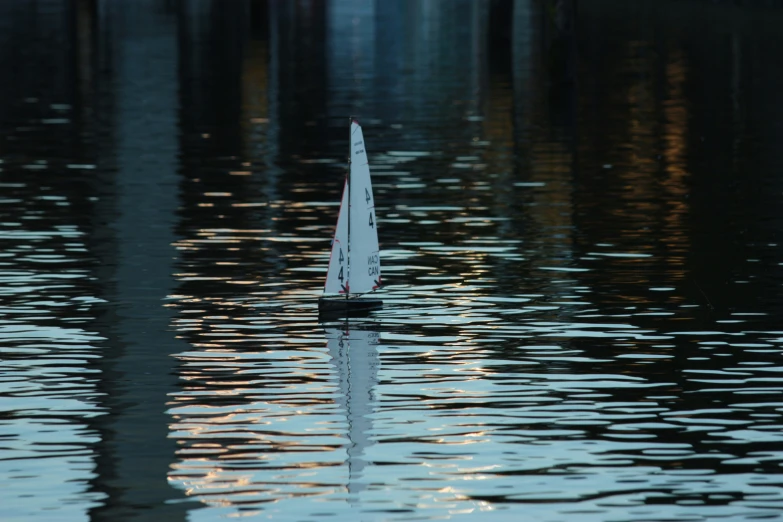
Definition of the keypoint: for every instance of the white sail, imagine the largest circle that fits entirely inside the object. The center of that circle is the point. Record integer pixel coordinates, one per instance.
(364, 263)
(337, 274)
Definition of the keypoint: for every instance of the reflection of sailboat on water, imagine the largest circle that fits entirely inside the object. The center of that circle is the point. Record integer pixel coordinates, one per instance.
(355, 355)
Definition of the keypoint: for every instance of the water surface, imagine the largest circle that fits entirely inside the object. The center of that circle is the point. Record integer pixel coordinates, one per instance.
(580, 241)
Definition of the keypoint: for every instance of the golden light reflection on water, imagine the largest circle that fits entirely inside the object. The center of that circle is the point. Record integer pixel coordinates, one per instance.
(540, 217)
(675, 134)
(493, 329)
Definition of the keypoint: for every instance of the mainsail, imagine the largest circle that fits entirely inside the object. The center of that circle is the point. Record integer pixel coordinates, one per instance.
(355, 266)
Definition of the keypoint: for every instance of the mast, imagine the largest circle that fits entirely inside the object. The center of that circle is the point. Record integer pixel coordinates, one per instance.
(348, 263)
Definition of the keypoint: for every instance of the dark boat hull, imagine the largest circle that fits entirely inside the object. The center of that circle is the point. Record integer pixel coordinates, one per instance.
(336, 307)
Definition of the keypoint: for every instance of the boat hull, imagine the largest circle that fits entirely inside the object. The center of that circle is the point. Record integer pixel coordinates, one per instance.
(338, 306)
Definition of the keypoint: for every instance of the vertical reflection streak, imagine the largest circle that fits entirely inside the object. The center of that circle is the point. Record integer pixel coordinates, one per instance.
(141, 213)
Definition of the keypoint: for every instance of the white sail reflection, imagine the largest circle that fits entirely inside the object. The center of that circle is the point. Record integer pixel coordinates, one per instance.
(354, 353)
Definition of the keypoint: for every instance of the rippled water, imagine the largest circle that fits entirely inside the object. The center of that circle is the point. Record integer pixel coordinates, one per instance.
(580, 239)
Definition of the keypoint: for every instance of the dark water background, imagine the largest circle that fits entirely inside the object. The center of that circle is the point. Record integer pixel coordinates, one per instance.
(580, 208)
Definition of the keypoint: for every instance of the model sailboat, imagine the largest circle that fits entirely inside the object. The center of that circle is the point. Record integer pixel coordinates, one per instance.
(355, 265)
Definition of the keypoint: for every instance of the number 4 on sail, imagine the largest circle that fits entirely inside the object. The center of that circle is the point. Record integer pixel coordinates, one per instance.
(355, 265)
